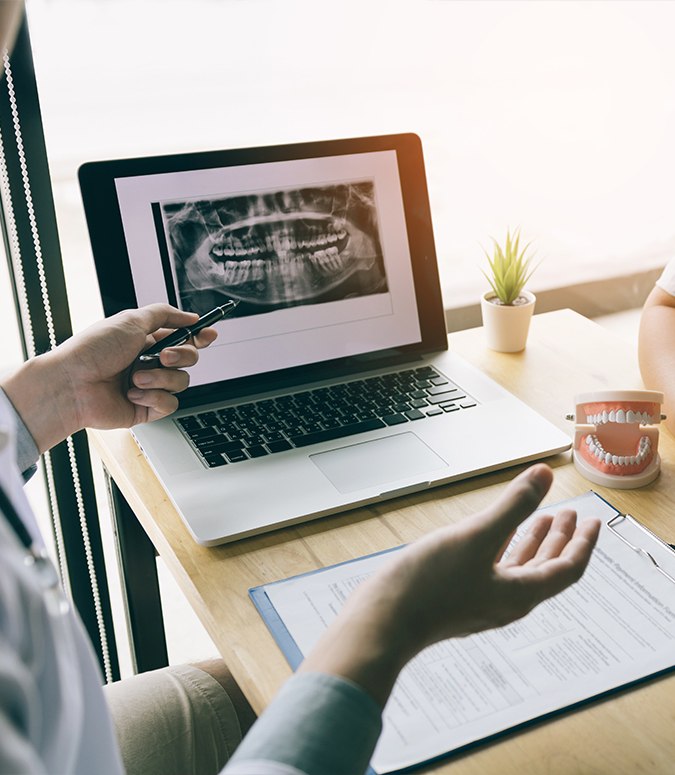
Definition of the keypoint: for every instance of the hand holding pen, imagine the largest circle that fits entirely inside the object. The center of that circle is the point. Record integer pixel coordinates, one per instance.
(181, 335)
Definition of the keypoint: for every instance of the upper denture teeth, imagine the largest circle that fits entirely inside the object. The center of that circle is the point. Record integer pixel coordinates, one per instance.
(620, 416)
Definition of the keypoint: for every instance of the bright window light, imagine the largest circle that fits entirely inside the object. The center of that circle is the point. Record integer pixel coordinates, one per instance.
(555, 117)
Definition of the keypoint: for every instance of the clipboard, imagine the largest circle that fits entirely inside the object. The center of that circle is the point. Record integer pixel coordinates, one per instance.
(618, 523)
(275, 624)
(651, 560)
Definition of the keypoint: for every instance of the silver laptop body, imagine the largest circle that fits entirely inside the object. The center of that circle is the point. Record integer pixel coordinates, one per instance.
(328, 247)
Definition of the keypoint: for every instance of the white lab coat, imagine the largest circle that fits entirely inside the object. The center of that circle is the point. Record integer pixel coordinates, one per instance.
(53, 715)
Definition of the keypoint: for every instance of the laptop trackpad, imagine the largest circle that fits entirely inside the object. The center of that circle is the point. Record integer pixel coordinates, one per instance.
(370, 463)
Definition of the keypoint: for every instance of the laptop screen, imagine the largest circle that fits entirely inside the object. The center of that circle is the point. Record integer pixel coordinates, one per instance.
(316, 250)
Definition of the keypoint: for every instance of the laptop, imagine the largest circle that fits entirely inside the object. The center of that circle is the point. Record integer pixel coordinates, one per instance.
(332, 385)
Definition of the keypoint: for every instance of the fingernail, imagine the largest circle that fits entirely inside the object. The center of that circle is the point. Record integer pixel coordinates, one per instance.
(169, 357)
(141, 378)
(535, 474)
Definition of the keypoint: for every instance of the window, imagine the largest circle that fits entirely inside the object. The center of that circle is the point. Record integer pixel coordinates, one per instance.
(557, 117)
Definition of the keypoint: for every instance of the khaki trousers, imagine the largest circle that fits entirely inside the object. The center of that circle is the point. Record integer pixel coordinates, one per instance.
(174, 721)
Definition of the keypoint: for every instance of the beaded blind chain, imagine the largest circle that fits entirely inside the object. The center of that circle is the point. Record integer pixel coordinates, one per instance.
(17, 264)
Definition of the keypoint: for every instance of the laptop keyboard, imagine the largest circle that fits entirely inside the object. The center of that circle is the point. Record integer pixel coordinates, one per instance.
(257, 428)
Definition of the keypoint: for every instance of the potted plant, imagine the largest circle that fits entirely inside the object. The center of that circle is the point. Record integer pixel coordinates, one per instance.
(507, 308)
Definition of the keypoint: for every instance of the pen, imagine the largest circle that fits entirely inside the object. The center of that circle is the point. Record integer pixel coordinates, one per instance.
(181, 335)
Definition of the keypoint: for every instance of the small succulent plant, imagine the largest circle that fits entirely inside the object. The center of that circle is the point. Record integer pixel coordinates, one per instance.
(510, 268)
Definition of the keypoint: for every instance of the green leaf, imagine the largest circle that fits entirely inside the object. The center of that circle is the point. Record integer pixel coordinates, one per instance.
(510, 267)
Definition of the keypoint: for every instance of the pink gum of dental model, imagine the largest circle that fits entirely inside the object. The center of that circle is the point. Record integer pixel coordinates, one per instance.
(614, 443)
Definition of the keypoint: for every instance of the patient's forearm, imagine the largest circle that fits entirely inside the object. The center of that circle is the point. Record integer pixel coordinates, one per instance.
(657, 354)
(364, 646)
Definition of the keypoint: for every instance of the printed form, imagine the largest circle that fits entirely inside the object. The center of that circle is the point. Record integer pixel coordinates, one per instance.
(615, 626)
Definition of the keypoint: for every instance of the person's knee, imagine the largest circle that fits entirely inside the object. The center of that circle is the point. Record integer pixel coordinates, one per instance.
(179, 719)
(219, 671)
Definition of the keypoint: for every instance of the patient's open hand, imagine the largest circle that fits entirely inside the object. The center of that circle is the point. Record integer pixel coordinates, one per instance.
(456, 581)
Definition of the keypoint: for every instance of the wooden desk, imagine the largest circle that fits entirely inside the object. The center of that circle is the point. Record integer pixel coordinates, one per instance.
(566, 354)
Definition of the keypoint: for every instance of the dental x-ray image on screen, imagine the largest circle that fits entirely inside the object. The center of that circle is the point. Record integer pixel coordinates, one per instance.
(274, 250)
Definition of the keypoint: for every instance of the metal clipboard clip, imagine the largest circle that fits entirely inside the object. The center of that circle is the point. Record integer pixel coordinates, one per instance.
(612, 525)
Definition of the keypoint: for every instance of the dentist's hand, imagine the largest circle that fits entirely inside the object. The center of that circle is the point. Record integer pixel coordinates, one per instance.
(92, 380)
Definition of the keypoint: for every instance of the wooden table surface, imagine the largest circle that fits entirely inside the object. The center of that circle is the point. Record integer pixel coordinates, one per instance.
(632, 732)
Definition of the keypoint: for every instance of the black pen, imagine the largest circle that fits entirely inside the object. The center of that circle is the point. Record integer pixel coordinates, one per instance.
(181, 335)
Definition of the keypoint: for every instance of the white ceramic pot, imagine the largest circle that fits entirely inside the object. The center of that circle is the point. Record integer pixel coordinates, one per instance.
(506, 327)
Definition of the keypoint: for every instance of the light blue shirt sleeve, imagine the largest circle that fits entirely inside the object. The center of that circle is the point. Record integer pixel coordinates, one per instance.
(318, 724)
(26, 451)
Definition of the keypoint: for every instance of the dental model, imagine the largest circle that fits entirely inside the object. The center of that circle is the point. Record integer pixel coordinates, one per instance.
(614, 443)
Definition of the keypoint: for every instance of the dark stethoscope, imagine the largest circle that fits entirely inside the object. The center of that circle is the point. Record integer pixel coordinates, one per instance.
(36, 557)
